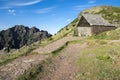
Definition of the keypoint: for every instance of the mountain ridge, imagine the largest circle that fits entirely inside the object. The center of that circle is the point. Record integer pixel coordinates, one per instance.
(21, 35)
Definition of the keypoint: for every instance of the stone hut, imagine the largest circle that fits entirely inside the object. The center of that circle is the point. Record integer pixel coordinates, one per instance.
(93, 24)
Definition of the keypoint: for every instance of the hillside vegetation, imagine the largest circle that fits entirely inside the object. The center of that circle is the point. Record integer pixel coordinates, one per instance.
(110, 13)
(91, 58)
(66, 30)
(19, 41)
(98, 60)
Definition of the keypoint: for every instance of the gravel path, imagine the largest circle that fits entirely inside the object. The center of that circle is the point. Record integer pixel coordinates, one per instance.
(55, 45)
(64, 66)
(17, 67)
(113, 41)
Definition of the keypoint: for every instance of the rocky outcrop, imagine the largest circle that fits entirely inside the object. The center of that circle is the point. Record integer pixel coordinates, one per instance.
(20, 35)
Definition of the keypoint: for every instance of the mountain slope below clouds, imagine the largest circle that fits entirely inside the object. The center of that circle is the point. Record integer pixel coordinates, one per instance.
(110, 13)
(94, 59)
(98, 60)
(20, 35)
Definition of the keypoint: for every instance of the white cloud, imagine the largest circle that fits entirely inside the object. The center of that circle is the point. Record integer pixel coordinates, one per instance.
(7, 4)
(90, 3)
(12, 11)
(85, 6)
(44, 10)
(26, 3)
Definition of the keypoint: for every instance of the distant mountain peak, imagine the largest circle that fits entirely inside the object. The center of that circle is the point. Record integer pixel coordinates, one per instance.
(19, 35)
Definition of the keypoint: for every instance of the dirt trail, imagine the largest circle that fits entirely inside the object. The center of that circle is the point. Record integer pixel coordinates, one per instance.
(17, 67)
(64, 66)
(113, 41)
(55, 45)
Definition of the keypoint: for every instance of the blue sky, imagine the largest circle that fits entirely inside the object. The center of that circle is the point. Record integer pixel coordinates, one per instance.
(50, 15)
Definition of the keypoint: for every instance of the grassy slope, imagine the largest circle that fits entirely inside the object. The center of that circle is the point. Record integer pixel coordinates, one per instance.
(5, 58)
(8, 57)
(99, 60)
(66, 30)
(108, 12)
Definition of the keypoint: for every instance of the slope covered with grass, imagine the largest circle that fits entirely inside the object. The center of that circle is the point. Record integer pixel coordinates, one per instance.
(65, 30)
(99, 60)
(110, 13)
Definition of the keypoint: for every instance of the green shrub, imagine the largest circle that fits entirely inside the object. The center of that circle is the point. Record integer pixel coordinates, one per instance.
(104, 57)
(32, 73)
(102, 42)
(100, 36)
(60, 49)
(75, 33)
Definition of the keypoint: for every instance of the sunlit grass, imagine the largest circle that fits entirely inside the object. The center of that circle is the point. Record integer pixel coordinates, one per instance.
(7, 57)
(100, 62)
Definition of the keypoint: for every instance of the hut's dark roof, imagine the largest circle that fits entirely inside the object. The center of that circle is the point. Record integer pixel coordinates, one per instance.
(94, 19)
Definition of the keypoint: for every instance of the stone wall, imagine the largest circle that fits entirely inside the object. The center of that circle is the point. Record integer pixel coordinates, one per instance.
(84, 31)
(99, 29)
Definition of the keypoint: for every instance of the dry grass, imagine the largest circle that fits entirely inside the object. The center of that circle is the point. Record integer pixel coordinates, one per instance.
(100, 62)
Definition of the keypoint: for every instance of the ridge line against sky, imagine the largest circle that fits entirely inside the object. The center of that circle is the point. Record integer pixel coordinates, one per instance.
(50, 15)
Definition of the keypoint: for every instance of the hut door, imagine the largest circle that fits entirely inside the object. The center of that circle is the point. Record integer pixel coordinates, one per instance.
(83, 31)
